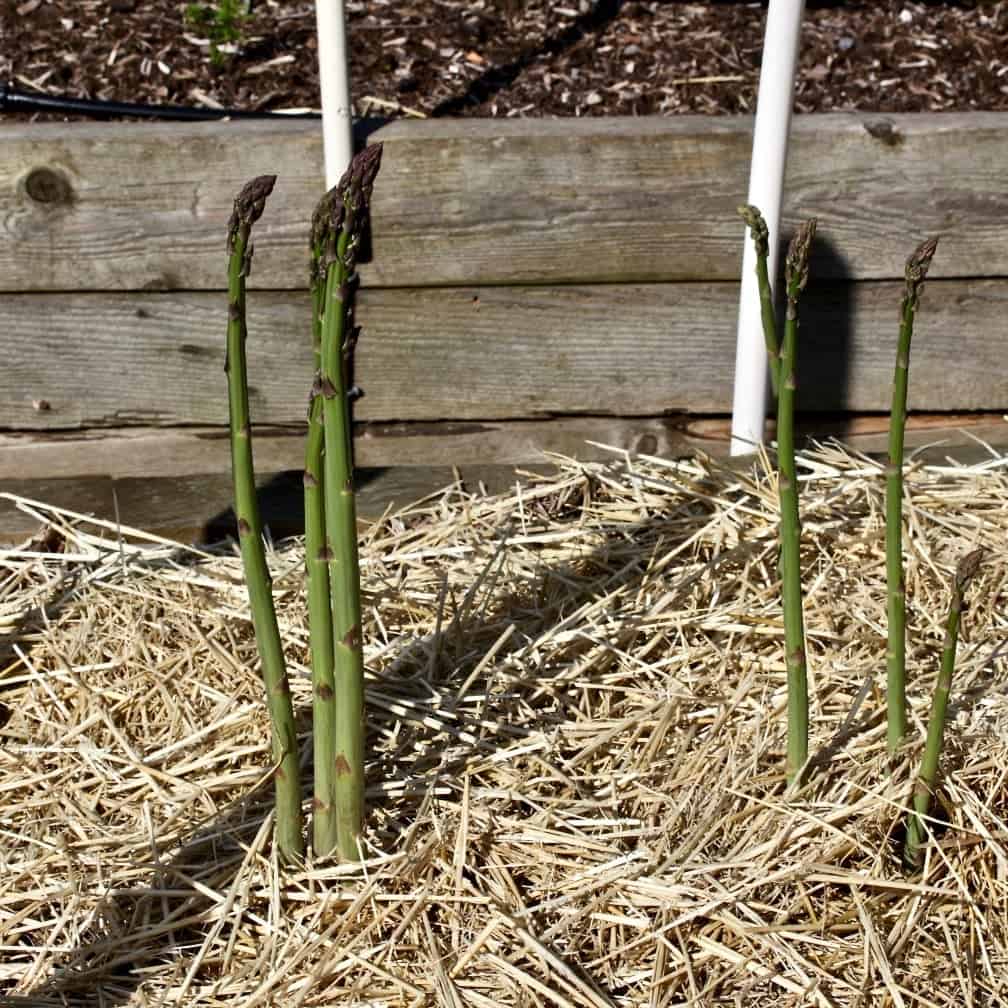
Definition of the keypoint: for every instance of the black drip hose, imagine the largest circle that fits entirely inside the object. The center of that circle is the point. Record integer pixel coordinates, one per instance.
(12, 100)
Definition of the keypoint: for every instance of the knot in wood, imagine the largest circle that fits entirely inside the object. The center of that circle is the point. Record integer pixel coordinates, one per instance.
(49, 187)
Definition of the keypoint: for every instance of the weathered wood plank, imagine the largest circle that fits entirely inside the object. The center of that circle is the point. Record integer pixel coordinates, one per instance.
(931, 437)
(197, 509)
(177, 483)
(654, 199)
(87, 206)
(152, 359)
(124, 452)
(487, 353)
(188, 451)
(129, 207)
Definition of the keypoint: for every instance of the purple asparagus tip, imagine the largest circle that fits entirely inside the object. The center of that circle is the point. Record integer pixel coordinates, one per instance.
(796, 263)
(248, 206)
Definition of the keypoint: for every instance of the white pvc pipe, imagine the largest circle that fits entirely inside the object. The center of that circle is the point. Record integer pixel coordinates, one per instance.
(334, 86)
(766, 185)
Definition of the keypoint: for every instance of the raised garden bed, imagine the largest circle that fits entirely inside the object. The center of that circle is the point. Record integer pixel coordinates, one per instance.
(490, 333)
(576, 687)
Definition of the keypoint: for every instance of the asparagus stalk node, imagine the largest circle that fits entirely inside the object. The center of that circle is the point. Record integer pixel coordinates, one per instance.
(761, 240)
(916, 270)
(341, 751)
(925, 785)
(796, 276)
(248, 207)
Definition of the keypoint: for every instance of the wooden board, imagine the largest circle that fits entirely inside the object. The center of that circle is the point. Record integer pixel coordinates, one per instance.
(654, 199)
(491, 353)
(197, 509)
(177, 483)
(124, 452)
(117, 206)
(144, 206)
(130, 451)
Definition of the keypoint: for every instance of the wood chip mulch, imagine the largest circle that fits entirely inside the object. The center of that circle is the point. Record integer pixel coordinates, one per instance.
(511, 57)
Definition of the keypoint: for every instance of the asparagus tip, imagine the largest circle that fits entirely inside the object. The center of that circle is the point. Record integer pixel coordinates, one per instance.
(365, 168)
(248, 206)
(796, 263)
(967, 568)
(343, 208)
(757, 225)
(320, 220)
(354, 188)
(918, 263)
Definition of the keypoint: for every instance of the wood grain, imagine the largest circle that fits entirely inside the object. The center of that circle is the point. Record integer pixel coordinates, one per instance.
(144, 207)
(176, 483)
(123, 452)
(654, 199)
(197, 509)
(490, 353)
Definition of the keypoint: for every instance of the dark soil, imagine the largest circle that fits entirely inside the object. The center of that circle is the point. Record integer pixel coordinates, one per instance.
(510, 57)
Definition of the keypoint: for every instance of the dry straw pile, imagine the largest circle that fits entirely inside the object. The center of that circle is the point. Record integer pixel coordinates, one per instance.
(576, 701)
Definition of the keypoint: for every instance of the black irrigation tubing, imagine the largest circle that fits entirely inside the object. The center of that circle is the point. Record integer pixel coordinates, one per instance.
(13, 100)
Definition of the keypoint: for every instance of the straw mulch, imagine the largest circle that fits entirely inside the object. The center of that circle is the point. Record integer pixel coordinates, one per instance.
(576, 712)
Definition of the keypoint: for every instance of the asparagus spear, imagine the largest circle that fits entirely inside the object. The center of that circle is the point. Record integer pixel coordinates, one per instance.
(761, 239)
(916, 269)
(924, 788)
(248, 207)
(346, 220)
(324, 835)
(795, 277)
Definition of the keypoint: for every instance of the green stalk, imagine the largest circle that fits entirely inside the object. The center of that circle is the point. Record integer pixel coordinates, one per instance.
(248, 208)
(916, 269)
(761, 239)
(795, 277)
(324, 833)
(924, 788)
(346, 221)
